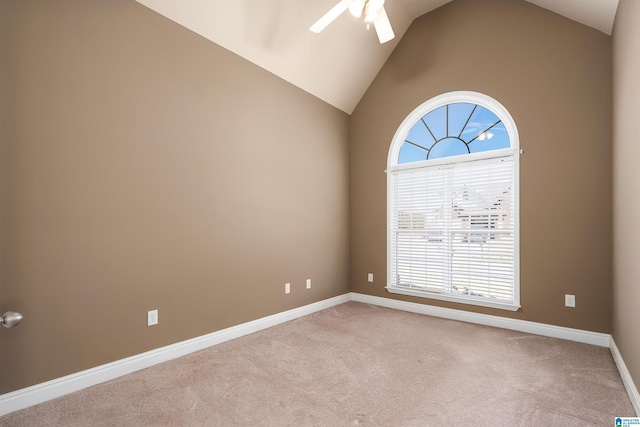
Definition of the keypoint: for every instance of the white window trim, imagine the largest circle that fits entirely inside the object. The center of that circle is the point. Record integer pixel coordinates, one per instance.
(493, 154)
(452, 298)
(394, 151)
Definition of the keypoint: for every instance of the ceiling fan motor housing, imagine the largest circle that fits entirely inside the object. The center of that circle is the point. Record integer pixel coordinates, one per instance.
(369, 7)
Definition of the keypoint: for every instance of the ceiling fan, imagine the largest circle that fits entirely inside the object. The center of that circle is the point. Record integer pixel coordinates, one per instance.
(373, 11)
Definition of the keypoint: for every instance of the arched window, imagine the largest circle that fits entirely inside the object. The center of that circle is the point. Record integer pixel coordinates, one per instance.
(453, 221)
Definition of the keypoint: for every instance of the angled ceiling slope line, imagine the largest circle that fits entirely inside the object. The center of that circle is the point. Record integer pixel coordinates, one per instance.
(336, 66)
(339, 64)
(598, 14)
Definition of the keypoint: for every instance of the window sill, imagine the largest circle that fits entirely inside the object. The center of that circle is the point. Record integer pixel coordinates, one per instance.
(452, 298)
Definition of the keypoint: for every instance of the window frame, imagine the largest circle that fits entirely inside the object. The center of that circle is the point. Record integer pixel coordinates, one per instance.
(514, 151)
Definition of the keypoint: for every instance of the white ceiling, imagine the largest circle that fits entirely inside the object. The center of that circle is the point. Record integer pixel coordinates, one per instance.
(339, 64)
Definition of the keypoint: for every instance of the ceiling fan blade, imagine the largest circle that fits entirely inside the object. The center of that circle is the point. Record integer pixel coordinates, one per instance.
(330, 16)
(383, 27)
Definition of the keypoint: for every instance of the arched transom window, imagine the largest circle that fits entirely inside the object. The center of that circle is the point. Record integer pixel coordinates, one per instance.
(453, 203)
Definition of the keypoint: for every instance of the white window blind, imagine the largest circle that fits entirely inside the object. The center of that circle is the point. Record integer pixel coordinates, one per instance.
(452, 229)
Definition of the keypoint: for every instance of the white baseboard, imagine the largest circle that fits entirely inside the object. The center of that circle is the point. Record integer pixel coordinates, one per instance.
(632, 391)
(58, 387)
(595, 338)
(43, 392)
(570, 334)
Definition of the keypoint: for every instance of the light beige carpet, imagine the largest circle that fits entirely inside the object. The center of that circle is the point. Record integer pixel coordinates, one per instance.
(357, 364)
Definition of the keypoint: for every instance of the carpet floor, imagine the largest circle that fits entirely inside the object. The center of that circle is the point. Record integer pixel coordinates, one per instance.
(359, 365)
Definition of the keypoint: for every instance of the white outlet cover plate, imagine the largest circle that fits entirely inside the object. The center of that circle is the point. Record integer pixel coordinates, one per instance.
(152, 317)
(370, 277)
(570, 300)
(287, 288)
(308, 283)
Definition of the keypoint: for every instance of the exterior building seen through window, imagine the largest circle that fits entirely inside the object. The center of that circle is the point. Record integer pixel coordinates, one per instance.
(453, 223)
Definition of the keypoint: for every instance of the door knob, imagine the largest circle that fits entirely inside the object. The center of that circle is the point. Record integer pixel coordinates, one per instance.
(10, 319)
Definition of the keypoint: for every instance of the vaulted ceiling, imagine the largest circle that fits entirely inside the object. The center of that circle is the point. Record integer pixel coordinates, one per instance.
(339, 64)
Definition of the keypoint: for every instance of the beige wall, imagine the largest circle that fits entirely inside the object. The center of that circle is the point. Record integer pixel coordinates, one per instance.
(148, 168)
(4, 121)
(626, 183)
(554, 76)
(143, 167)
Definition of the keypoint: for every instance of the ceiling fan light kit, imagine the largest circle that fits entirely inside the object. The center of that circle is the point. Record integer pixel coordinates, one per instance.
(356, 7)
(373, 11)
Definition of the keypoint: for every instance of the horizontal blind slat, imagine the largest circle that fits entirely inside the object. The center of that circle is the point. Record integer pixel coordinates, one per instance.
(452, 228)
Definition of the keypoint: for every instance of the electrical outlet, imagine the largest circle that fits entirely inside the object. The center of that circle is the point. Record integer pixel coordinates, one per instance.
(570, 300)
(287, 288)
(370, 277)
(308, 283)
(152, 317)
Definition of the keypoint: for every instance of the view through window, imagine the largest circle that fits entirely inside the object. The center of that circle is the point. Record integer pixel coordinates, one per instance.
(453, 203)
